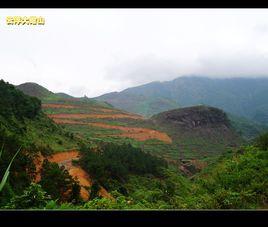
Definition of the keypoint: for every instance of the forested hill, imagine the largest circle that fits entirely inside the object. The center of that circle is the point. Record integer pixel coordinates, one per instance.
(23, 121)
(16, 103)
(246, 97)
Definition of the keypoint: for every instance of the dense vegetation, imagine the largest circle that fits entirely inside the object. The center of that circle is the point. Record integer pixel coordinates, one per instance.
(262, 141)
(16, 103)
(23, 125)
(112, 162)
(237, 180)
(58, 183)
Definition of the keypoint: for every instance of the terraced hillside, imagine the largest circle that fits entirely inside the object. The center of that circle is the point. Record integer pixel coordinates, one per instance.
(95, 121)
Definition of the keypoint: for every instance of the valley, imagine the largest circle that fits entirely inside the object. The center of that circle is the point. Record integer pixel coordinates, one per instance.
(82, 153)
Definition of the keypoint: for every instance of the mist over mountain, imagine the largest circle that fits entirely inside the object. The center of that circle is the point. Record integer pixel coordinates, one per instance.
(246, 97)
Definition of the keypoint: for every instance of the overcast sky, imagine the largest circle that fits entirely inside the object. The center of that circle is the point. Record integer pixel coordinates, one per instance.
(95, 51)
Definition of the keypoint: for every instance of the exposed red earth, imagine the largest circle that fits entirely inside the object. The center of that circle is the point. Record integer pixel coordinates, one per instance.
(98, 116)
(50, 105)
(140, 134)
(65, 159)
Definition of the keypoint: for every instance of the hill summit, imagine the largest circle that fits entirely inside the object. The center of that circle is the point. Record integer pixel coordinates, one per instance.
(194, 117)
(198, 130)
(35, 90)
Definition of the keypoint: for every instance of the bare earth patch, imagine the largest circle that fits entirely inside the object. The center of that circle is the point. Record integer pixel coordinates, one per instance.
(140, 134)
(50, 105)
(99, 116)
(65, 159)
(104, 110)
(66, 121)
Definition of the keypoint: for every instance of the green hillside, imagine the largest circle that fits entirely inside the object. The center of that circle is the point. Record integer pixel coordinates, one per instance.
(24, 125)
(35, 90)
(248, 129)
(186, 158)
(21, 116)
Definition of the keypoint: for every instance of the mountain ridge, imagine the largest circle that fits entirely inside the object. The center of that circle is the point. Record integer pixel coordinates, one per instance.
(244, 97)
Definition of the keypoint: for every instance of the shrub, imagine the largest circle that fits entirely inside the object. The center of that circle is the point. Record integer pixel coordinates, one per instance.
(33, 197)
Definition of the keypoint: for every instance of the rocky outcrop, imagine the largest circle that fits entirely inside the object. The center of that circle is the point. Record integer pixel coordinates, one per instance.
(194, 117)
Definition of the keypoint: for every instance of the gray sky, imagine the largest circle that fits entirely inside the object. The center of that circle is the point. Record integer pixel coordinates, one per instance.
(95, 51)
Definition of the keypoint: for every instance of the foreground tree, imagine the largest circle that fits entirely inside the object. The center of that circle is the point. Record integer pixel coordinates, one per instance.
(33, 197)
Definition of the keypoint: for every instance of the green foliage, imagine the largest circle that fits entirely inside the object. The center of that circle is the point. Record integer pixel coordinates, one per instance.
(54, 205)
(238, 182)
(57, 182)
(18, 178)
(15, 102)
(94, 190)
(33, 197)
(117, 161)
(262, 141)
(104, 203)
(7, 172)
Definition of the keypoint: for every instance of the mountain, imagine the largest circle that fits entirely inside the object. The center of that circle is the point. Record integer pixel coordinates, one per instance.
(245, 97)
(248, 129)
(35, 90)
(198, 131)
(46, 96)
(63, 95)
(97, 121)
(76, 150)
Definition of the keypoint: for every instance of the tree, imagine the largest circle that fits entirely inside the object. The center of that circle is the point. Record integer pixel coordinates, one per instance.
(33, 197)
(58, 182)
(94, 190)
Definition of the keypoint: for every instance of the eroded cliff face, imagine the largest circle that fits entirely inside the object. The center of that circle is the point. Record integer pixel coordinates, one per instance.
(198, 131)
(194, 117)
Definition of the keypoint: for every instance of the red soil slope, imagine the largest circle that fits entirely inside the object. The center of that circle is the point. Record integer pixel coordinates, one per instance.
(65, 159)
(50, 105)
(140, 134)
(99, 116)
